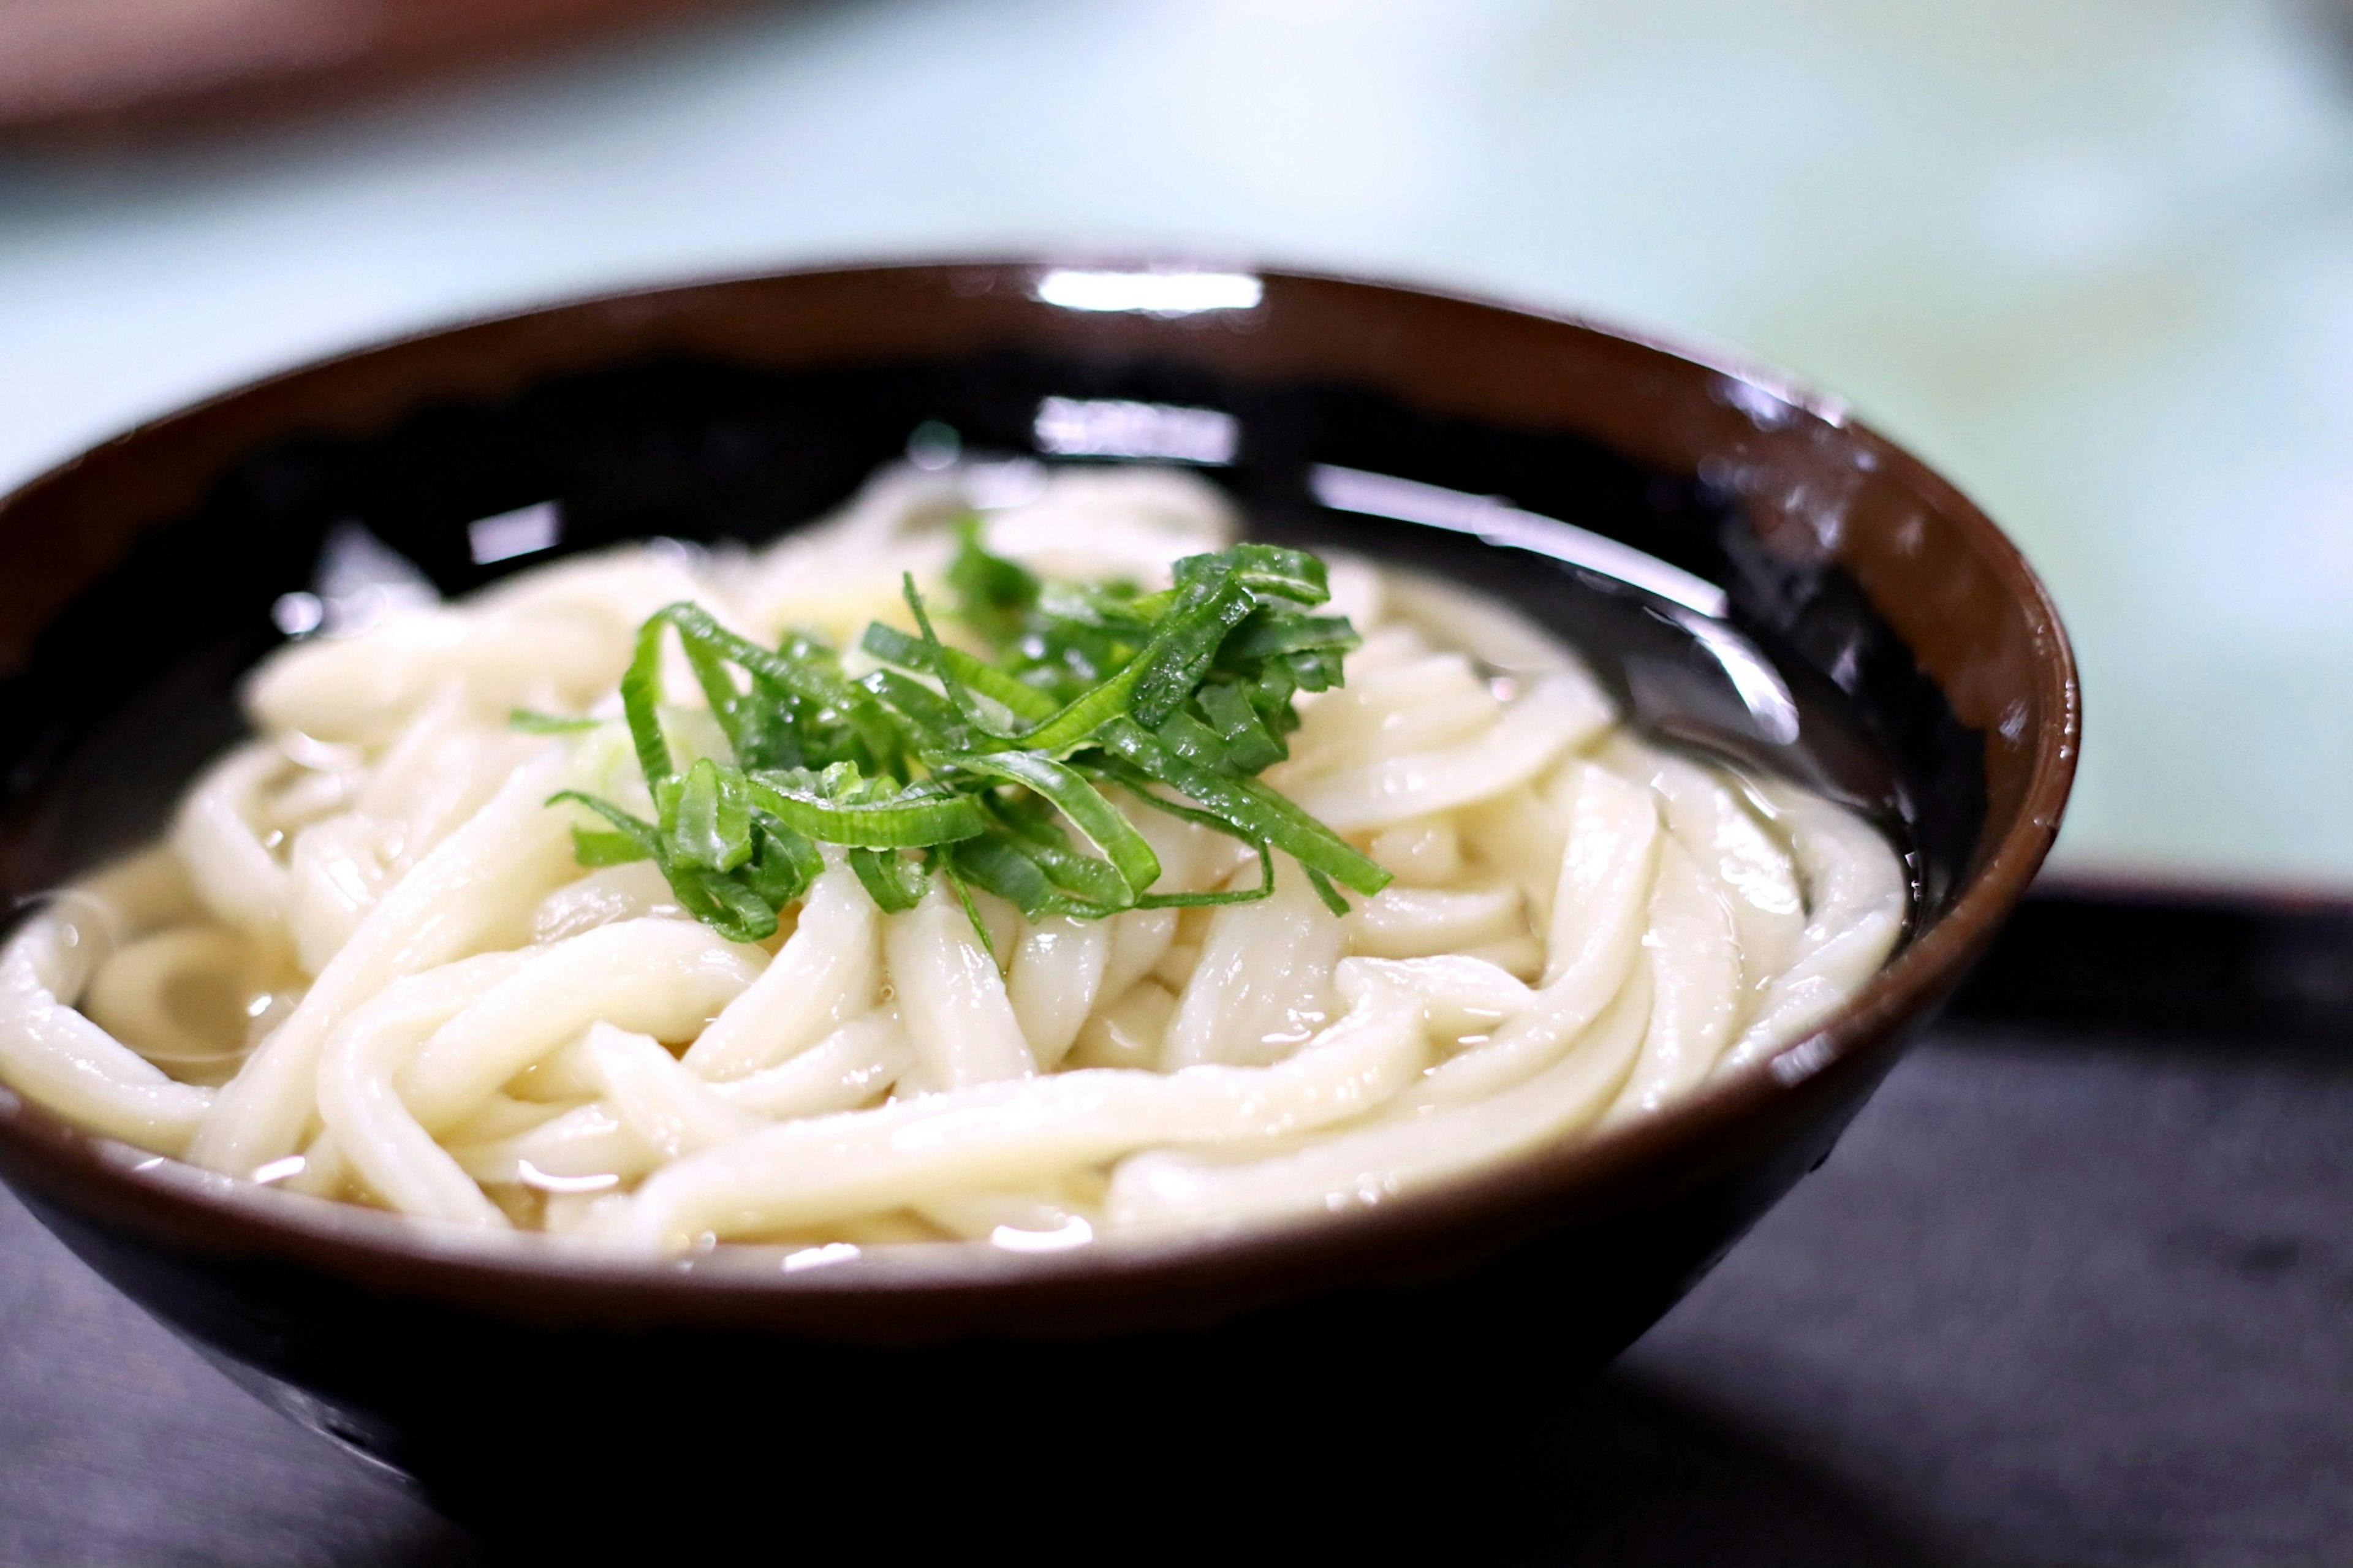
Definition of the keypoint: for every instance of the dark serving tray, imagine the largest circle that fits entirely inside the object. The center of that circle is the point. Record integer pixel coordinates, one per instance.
(2076, 1287)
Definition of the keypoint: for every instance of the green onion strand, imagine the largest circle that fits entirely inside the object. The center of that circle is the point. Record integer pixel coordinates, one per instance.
(529, 721)
(1095, 818)
(641, 697)
(892, 880)
(819, 807)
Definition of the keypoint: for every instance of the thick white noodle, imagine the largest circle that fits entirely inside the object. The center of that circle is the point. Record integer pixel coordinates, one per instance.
(556, 642)
(1489, 630)
(369, 924)
(1606, 875)
(231, 870)
(60, 1058)
(373, 1130)
(1131, 1031)
(478, 883)
(1427, 702)
(1426, 852)
(659, 1099)
(584, 1149)
(660, 977)
(1385, 648)
(824, 976)
(1263, 983)
(1359, 589)
(1859, 897)
(1139, 940)
(1165, 1188)
(1694, 963)
(1521, 833)
(1008, 1218)
(1056, 971)
(1753, 866)
(336, 869)
(1562, 712)
(951, 997)
(1105, 523)
(1006, 1133)
(1403, 921)
(634, 892)
(424, 781)
(503, 1117)
(852, 1066)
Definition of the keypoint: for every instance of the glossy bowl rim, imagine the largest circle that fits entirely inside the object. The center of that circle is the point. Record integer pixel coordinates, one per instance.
(166, 1196)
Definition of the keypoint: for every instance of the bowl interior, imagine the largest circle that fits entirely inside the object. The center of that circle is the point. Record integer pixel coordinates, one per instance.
(131, 687)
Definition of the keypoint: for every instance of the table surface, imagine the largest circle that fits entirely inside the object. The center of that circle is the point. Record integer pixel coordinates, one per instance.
(2051, 1301)
(2092, 257)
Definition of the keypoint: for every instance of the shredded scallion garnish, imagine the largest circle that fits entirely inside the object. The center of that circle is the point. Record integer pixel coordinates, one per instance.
(989, 769)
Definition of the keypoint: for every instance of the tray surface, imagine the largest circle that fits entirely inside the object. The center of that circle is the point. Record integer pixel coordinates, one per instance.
(2055, 1298)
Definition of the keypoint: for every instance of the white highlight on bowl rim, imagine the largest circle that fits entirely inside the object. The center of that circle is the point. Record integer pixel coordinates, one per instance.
(1149, 294)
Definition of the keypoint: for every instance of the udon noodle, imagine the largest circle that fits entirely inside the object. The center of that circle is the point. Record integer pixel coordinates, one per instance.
(366, 964)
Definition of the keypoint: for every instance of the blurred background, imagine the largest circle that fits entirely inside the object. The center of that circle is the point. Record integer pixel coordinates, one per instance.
(2092, 257)
(2062, 1297)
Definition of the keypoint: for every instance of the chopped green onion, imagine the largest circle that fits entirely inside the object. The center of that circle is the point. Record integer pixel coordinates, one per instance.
(995, 862)
(972, 913)
(635, 828)
(1096, 818)
(1265, 889)
(599, 846)
(785, 864)
(994, 596)
(952, 666)
(640, 696)
(890, 880)
(836, 808)
(1189, 691)
(1259, 813)
(525, 721)
(726, 904)
(1326, 892)
(707, 822)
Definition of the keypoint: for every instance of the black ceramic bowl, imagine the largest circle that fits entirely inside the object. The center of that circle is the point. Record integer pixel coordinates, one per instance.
(1931, 677)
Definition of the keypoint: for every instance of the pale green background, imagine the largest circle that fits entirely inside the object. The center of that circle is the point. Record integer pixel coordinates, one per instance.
(2093, 257)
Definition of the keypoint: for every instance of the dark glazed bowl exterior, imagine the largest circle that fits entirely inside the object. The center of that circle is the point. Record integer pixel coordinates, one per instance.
(508, 1377)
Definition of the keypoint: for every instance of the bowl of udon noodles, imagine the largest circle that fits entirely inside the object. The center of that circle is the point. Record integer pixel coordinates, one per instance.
(834, 883)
